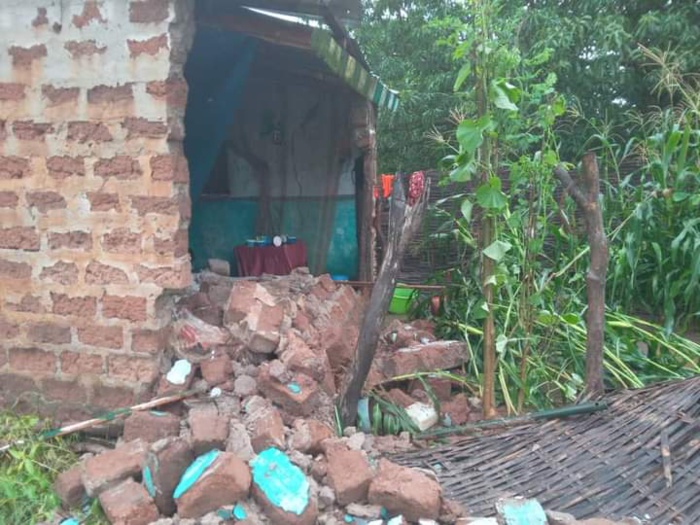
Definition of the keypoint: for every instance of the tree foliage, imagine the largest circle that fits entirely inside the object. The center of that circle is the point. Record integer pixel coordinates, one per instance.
(595, 57)
(407, 44)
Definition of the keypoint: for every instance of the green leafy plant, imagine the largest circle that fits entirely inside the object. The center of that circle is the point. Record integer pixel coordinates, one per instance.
(28, 470)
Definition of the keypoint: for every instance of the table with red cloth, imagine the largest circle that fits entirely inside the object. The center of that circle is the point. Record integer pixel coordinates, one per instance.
(254, 261)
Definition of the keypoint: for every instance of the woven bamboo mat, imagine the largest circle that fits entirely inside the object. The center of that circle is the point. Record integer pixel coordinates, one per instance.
(641, 457)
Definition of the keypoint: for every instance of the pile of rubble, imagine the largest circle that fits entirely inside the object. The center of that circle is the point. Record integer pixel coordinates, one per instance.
(259, 445)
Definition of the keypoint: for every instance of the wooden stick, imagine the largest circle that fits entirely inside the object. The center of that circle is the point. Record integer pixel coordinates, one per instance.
(109, 416)
(403, 221)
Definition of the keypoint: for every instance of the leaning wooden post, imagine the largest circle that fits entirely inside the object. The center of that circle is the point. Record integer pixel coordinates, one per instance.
(404, 219)
(587, 199)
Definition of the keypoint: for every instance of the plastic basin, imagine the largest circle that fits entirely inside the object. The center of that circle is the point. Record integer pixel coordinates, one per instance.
(401, 300)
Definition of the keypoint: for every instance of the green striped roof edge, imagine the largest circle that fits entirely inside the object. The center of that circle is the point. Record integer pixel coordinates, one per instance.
(351, 71)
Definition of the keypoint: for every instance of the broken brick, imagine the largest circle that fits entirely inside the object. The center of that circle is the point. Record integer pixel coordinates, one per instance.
(226, 481)
(208, 429)
(151, 426)
(128, 504)
(109, 468)
(165, 463)
(69, 487)
(299, 397)
(405, 491)
(216, 369)
(349, 474)
(308, 434)
(266, 430)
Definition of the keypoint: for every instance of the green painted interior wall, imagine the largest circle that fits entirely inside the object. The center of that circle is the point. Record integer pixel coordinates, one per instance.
(220, 224)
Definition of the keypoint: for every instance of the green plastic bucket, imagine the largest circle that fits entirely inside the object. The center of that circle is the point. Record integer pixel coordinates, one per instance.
(401, 300)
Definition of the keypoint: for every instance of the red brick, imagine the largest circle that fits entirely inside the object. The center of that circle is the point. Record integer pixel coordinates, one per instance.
(110, 94)
(12, 91)
(162, 205)
(167, 277)
(30, 130)
(120, 167)
(8, 329)
(66, 305)
(405, 491)
(217, 369)
(60, 272)
(46, 200)
(48, 333)
(82, 132)
(66, 391)
(84, 48)
(129, 308)
(69, 487)
(308, 435)
(100, 201)
(75, 240)
(20, 238)
(149, 11)
(78, 364)
(208, 429)
(151, 341)
(102, 336)
(300, 404)
(439, 355)
(177, 245)
(104, 396)
(12, 386)
(90, 12)
(14, 168)
(228, 480)
(173, 90)
(150, 427)
(150, 46)
(266, 430)
(129, 504)
(109, 468)
(139, 127)
(28, 303)
(167, 461)
(63, 167)
(272, 509)
(133, 368)
(349, 474)
(8, 199)
(24, 56)
(170, 167)
(97, 273)
(121, 240)
(41, 18)
(14, 270)
(34, 360)
(57, 95)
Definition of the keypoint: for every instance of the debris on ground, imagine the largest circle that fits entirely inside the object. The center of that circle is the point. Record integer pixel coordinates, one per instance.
(259, 444)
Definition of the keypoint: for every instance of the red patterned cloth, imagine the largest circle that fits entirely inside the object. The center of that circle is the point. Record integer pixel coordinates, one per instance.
(255, 261)
(416, 186)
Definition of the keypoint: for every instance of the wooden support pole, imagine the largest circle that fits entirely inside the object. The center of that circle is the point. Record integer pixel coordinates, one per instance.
(586, 197)
(404, 220)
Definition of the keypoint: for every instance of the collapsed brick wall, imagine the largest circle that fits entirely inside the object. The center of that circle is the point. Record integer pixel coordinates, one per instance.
(94, 200)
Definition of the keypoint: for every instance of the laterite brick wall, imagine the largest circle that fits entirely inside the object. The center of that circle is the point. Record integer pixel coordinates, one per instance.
(94, 204)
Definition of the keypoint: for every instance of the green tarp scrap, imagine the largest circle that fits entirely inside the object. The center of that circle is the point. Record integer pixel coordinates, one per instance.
(351, 71)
